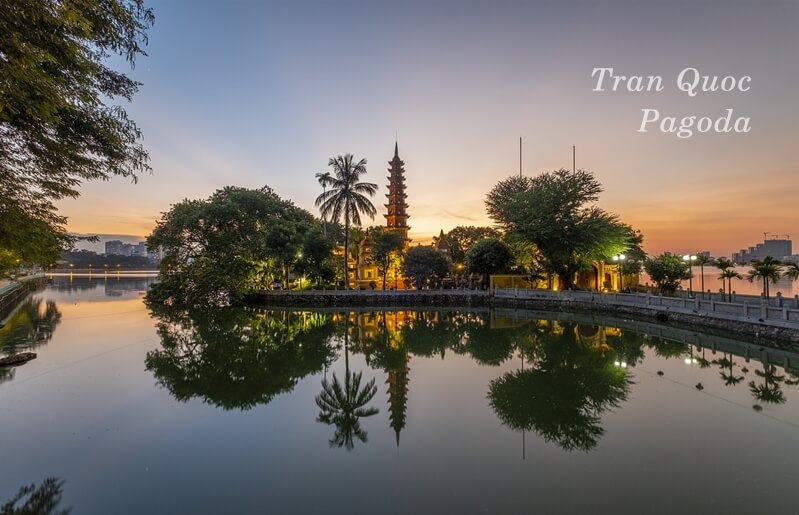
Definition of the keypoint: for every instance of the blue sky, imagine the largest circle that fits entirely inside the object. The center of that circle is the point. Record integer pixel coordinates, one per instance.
(255, 93)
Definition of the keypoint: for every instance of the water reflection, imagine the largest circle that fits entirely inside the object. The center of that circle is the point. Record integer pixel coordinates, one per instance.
(30, 325)
(112, 285)
(570, 382)
(43, 499)
(569, 374)
(237, 358)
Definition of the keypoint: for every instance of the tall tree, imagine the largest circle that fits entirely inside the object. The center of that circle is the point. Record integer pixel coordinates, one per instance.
(791, 271)
(219, 249)
(462, 237)
(767, 270)
(347, 197)
(667, 270)
(385, 245)
(58, 124)
(729, 274)
(556, 213)
(488, 256)
(702, 260)
(424, 265)
(324, 179)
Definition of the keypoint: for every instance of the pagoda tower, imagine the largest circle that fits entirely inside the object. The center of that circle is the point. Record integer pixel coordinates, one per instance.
(397, 381)
(397, 207)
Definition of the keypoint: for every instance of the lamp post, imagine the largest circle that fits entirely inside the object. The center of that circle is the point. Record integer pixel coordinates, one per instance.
(619, 259)
(690, 258)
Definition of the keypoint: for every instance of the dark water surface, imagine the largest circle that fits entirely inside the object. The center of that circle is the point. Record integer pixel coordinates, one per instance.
(257, 411)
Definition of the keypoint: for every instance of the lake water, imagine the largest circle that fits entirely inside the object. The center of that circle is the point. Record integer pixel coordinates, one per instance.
(257, 411)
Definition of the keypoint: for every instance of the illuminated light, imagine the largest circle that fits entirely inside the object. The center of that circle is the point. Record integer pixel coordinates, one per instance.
(623, 364)
(687, 361)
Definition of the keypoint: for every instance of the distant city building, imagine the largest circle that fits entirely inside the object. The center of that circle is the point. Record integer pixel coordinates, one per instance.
(118, 248)
(777, 248)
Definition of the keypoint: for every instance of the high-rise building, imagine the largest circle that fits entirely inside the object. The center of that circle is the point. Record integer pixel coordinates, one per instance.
(115, 247)
(778, 248)
(397, 207)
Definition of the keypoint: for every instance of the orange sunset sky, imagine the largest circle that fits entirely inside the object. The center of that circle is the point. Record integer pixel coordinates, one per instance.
(248, 94)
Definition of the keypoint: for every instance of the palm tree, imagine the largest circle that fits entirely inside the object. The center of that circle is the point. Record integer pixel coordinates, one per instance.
(792, 271)
(344, 406)
(347, 197)
(770, 391)
(767, 270)
(702, 260)
(324, 179)
(356, 238)
(729, 274)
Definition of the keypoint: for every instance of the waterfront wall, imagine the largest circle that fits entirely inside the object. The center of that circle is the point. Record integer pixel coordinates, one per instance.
(368, 298)
(758, 320)
(762, 320)
(11, 294)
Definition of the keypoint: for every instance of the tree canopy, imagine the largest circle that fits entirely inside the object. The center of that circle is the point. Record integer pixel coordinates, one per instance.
(425, 265)
(385, 245)
(489, 256)
(556, 213)
(666, 270)
(216, 250)
(58, 124)
(462, 237)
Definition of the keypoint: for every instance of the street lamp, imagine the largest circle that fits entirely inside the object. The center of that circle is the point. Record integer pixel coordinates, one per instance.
(619, 258)
(690, 258)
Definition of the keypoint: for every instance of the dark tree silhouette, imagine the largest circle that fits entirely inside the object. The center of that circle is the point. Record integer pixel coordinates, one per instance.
(563, 395)
(37, 500)
(343, 406)
(237, 358)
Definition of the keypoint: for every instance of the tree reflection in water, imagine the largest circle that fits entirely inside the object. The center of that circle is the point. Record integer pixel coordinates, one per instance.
(31, 325)
(343, 407)
(572, 373)
(37, 500)
(564, 392)
(237, 358)
(770, 391)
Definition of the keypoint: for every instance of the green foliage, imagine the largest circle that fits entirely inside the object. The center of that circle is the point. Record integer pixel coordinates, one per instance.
(26, 240)
(219, 249)
(385, 246)
(489, 256)
(57, 128)
(316, 260)
(792, 271)
(236, 358)
(347, 197)
(768, 270)
(555, 212)
(461, 239)
(667, 271)
(563, 394)
(425, 266)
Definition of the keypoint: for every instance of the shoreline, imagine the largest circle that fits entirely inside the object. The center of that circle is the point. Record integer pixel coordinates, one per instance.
(771, 331)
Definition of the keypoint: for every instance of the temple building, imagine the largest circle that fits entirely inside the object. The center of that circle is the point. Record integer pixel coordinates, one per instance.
(397, 207)
(364, 273)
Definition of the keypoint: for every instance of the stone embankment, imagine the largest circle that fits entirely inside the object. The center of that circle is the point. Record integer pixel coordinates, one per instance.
(777, 319)
(12, 293)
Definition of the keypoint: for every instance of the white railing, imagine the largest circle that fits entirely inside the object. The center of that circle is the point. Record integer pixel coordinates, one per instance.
(780, 311)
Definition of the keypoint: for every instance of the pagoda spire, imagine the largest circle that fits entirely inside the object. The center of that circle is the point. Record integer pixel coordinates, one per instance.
(396, 208)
